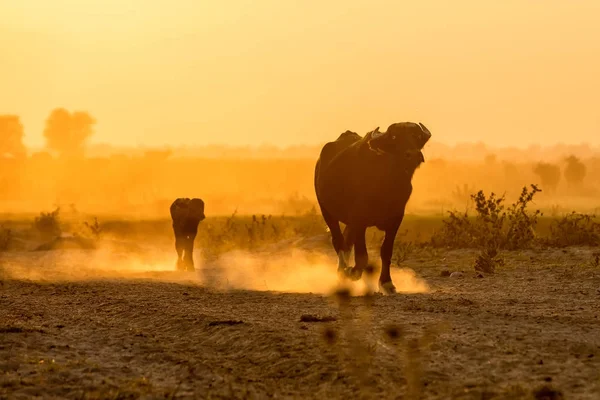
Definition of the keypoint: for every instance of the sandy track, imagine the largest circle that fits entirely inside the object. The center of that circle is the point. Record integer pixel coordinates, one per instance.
(535, 323)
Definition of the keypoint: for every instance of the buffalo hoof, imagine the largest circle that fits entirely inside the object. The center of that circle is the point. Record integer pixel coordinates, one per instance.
(179, 266)
(343, 260)
(354, 273)
(387, 288)
(351, 273)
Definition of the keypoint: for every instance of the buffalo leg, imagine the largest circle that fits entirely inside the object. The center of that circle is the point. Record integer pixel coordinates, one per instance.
(179, 247)
(191, 244)
(189, 252)
(337, 239)
(349, 237)
(351, 232)
(355, 237)
(387, 249)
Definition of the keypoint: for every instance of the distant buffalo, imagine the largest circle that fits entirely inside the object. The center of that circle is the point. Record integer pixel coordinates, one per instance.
(364, 182)
(186, 215)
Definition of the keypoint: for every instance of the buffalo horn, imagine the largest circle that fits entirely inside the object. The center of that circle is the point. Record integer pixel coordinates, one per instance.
(376, 133)
(425, 130)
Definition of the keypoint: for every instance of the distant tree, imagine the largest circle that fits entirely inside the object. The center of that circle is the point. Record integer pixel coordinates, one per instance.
(549, 175)
(11, 136)
(66, 133)
(575, 171)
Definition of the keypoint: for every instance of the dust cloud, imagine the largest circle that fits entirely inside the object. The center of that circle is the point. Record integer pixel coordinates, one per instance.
(110, 260)
(296, 271)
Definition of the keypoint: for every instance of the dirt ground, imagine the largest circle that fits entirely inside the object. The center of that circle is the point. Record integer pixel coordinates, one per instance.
(78, 325)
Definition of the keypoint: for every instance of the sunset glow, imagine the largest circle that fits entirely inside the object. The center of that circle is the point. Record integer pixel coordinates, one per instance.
(250, 72)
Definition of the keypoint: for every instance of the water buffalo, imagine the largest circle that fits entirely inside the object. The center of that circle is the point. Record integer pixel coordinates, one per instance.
(186, 215)
(364, 182)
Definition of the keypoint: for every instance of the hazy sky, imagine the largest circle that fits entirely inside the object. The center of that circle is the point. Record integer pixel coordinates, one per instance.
(158, 72)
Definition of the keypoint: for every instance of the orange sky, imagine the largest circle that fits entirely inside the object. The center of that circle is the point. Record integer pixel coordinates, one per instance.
(158, 72)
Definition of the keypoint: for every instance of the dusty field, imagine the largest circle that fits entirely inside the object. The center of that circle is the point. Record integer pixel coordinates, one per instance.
(81, 324)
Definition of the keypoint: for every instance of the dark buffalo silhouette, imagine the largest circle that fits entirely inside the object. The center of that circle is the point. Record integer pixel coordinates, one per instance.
(366, 181)
(186, 215)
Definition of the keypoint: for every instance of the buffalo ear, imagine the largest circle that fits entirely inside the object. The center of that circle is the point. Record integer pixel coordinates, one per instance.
(424, 135)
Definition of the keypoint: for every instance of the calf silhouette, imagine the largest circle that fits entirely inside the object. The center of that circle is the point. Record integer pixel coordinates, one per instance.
(186, 215)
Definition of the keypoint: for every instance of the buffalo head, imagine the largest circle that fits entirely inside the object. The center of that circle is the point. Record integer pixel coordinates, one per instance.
(403, 139)
(196, 209)
(188, 208)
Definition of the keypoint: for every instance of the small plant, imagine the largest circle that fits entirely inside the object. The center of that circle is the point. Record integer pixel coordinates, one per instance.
(490, 220)
(488, 260)
(257, 231)
(521, 224)
(94, 228)
(48, 224)
(402, 250)
(222, 238)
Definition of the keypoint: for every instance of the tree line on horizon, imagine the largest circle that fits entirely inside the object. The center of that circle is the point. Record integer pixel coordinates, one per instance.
(65, 133)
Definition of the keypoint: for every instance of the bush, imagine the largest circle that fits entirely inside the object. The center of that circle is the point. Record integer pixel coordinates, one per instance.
(493, 227)
(574, 230)
(48, 224)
